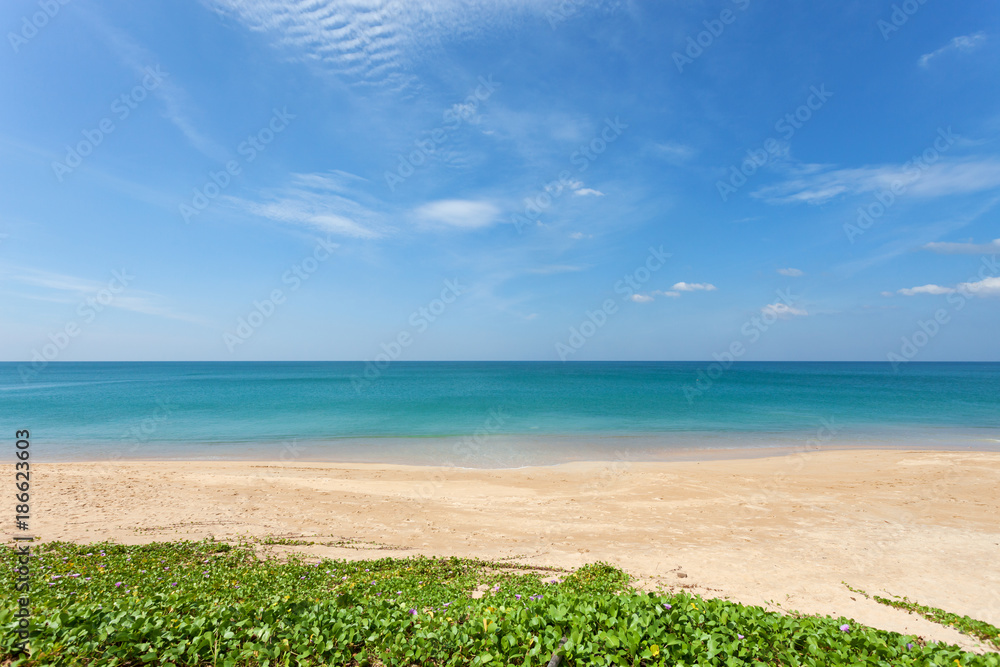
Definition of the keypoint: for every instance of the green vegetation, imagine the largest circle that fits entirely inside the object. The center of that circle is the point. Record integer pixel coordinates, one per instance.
(964, 624)
(208, 603)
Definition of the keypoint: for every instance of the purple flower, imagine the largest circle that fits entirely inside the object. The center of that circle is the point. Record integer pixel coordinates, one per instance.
(517, 597)
(413, 612)
(174, 584)
(118, 584)
(909, 646)
(446, 604)
(667, 606)
(845, 627)
(739, 636)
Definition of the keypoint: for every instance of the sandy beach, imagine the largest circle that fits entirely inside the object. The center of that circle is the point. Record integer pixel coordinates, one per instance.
(782, 531)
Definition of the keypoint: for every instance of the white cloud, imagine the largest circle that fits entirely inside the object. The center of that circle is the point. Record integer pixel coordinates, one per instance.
(782, 311)
(580, 235)
(944, 177)
(887, 294)
(376, 42)
(459, 213)
(791, 273)
(694, 287)
(583, 192)
(925, 289)
(312, 200)
(984, 287)
(641, 298)
(671, 294)
(964, 43)
(964, 248)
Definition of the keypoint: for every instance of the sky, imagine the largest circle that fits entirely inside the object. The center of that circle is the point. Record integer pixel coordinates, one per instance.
(499, 180)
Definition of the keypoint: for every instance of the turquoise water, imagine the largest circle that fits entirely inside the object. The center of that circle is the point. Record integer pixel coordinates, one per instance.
(492, 414)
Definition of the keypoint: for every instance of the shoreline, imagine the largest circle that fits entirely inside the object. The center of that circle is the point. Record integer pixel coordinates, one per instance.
(687, 454)
(778, 531)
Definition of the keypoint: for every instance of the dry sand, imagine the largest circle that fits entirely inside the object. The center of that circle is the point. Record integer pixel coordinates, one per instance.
(783, 532)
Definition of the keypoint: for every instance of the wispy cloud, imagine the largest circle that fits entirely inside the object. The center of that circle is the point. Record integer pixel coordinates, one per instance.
(985, 287)
(964, 248)
(694, 287)
(791, 273)
(318, 201)
(782, 311)
(945, 177)
(178, 107)
(556, 268)
(925, 289)
(674, 292)
(671, 152)
(61, 288)
(964, 43)
(375, 42)
(583, 192)
(458, 214)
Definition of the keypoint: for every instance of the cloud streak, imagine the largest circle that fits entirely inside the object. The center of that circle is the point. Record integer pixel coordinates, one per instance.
(964, 248)
(964, 43)
(318, 201)
(934, 180)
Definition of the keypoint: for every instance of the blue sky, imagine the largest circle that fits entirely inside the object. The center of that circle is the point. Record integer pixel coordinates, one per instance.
(224, 180)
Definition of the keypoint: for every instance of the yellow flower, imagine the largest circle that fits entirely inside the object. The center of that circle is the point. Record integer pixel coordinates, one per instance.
(655, 650)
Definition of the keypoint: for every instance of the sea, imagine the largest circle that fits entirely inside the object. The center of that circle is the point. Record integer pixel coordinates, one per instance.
(493, 414)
